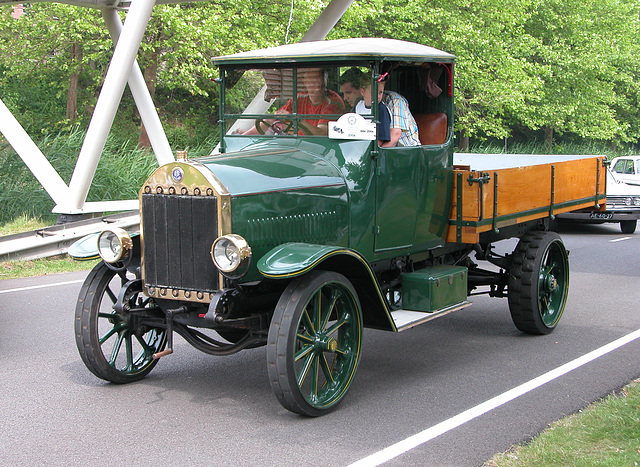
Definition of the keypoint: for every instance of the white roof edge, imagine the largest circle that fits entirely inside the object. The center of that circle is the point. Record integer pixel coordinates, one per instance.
(363, 47)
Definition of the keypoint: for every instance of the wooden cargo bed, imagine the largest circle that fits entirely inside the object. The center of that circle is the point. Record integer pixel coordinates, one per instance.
(492, 191)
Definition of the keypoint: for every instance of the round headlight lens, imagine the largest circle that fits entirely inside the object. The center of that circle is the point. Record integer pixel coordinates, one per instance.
(230, 252)
(636, 201)
(114, 245)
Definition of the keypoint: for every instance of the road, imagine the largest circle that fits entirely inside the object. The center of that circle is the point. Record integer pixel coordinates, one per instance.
(200, 410)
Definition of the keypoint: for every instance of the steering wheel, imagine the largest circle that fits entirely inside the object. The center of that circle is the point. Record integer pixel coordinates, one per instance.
(279, 127)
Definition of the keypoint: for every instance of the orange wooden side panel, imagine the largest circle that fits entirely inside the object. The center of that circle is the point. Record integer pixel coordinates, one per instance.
(523, 189)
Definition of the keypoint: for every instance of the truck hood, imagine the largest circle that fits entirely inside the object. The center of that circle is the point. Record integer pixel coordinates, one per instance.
(271, 169)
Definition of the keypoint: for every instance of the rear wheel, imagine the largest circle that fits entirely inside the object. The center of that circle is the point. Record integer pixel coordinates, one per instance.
(538, 282)
(314, 343)
(628, 227)
(116, 345)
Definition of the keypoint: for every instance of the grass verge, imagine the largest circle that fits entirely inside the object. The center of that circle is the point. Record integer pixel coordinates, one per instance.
(606, 434)
(38, 267)
(22, 223)
(43, 267)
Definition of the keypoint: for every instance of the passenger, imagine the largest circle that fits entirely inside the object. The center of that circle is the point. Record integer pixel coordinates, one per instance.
(363, 107)
(351, 82)
(316, 99)
(404, 129)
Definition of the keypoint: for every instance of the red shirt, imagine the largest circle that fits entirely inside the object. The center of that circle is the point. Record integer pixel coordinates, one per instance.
(331, 104)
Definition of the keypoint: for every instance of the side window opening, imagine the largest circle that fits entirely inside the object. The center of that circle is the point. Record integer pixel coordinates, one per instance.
(426, 88)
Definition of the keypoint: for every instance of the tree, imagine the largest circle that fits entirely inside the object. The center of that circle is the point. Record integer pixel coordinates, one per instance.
(588, 60)
(57, 48)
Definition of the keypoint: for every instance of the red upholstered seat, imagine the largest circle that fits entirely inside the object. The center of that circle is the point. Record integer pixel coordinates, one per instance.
(432, 128)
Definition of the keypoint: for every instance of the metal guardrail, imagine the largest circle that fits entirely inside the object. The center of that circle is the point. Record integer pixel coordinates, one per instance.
(57, 239)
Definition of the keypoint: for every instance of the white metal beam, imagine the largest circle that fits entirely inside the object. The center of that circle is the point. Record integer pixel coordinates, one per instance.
(142, 98)
(31, 155)
(115, 80)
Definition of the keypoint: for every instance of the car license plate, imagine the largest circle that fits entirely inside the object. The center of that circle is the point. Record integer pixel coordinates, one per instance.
(601, 215)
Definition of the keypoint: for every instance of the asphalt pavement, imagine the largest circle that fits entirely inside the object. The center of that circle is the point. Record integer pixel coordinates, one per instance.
(197, 409)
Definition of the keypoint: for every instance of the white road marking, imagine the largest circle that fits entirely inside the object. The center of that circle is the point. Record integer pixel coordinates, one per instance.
(619, 239)
(33, 287)
(416, 440)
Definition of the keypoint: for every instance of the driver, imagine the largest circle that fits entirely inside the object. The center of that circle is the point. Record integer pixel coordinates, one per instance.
(316, 99)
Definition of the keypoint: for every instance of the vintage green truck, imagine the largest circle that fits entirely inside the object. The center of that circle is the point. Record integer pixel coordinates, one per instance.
(297, 241)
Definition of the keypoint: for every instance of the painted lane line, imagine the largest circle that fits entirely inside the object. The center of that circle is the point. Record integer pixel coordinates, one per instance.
(33, 287)
(619, 239)
(416, 440)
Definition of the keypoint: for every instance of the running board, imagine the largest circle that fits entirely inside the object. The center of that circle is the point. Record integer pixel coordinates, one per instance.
(406, 319)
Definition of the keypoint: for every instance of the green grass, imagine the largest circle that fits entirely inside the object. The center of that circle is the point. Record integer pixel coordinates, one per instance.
(122, 170)
(42, 267)
(606, 434)
(38, 267)
(22, 223)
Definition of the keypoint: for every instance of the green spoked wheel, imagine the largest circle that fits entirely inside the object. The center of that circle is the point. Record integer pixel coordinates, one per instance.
(112, 337)
(314, 343)
(538, 282)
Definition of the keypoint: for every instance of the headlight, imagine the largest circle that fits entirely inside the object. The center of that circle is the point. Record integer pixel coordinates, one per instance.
(231, 254)
(114, 245)
(636, 201)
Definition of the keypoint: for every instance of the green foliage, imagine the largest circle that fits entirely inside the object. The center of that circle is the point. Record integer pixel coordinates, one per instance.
(531, 64)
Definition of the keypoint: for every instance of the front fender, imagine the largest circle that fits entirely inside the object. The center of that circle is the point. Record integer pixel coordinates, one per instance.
(294, 259)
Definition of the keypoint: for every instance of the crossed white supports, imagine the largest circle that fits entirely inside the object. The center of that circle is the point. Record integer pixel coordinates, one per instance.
(123, 68)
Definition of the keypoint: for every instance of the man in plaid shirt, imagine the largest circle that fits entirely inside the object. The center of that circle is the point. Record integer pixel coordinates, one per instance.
(404, 130)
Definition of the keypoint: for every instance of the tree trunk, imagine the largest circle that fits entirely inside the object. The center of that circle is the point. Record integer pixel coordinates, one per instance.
(548, 138)
(150, 75)
(463, 145)
(72, 93)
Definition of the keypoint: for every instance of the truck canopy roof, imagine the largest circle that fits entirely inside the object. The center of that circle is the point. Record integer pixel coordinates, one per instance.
(339, 50)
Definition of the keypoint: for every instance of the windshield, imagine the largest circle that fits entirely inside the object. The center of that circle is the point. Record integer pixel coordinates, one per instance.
(263, 101)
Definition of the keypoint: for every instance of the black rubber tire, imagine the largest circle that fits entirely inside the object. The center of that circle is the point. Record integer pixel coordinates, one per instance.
(538, 282)
(319, 349)
(628, 227)
(93, 312)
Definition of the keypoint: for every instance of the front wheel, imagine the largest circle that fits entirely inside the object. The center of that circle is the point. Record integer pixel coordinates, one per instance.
(112, 338)
(538, 282)
(314, 343)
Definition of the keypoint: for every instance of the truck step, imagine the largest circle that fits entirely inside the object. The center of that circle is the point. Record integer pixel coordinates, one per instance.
(406, 319)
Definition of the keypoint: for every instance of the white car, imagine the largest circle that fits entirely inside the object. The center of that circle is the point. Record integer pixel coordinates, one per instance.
(623, 197)
(626, 169)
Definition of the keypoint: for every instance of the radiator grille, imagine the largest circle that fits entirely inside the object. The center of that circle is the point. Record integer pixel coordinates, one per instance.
(177, 233)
